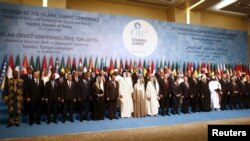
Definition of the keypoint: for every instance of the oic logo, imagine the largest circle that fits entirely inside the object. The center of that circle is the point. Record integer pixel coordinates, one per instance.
(140, 38)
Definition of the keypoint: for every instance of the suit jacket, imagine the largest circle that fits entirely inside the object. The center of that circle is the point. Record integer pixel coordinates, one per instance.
(204, 89)
(247, 84)
(176, 90)
(60, 85)
(194, 86)
(242, 88)
(36, 92)
(224, 86)
(69, 93)
(26, 81)
(84, 89)
(165, 88)
(52, 94)
(112, 91)
(185, 91)
(234, 88)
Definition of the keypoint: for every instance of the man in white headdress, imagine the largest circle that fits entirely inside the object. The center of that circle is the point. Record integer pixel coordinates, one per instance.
(45, 76)
(152, 92)
(125, 91)
(215, 90)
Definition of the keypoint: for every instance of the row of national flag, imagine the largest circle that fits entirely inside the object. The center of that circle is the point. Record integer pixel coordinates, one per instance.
(99, 64)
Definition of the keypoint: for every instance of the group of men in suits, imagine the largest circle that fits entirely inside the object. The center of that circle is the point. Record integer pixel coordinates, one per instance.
(93, 93)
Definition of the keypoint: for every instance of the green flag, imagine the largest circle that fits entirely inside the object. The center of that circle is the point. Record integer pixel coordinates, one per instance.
(62, 66)
(32, 64)
(38, 66)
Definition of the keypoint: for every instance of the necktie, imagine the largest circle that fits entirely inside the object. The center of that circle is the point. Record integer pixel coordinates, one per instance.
(154, 84)
(69, 84)
(37, 83)
(114, 84)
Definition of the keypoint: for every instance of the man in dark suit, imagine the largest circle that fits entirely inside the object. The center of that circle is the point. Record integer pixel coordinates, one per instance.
(35, 97)
(234, 93)
(83, 94)
(26, 78)
(185, 91)
(112, 96)
(60, 81)
(165, 94)
(68, 97)
(194, 86)
(205, 97)
(52, 97)
(176, 92)
(225, 91)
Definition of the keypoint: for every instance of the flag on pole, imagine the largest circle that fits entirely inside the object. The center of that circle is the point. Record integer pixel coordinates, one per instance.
(25, 65)
(131, 66)
(57, 66)
(102, 65)
(111, 66)
(17, 65)
(153, 67)
(157, 65)
(115, 67)
(10, 67)
(80, 63)
(62, 66)
(69, 63)
(144, 67)
(126, 64)
(97, 70)
(32, 64)
(38, 66)
(161, 64)
(3, 73)
(51, 63)
(44, 63)
(85, 63)
(121, 66)
(90, 64)
(74, 64)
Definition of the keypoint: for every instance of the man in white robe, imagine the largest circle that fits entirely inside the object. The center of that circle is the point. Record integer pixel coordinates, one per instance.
(215, 89)
(125, 91)
(152, 92)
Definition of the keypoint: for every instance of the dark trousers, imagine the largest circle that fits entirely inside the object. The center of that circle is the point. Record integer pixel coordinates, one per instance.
(25, 108)
(234, 101)
(112, 108)
(164, 105)
(195, 102)
(35, 112)
(84, 107)
(98, 110)
(52, 110)
(224, 99)
(176, 103)
(185, 105)
(248, 100)
(68, 106)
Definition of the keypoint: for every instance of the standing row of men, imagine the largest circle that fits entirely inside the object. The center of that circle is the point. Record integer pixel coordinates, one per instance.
(133, 94)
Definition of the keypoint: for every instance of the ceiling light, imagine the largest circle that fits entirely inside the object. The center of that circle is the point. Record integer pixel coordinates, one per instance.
(191, 7)
(224, 3)
(45, 3)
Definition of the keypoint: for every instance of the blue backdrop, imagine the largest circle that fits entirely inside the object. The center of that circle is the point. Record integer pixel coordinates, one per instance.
(38, 31)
